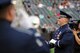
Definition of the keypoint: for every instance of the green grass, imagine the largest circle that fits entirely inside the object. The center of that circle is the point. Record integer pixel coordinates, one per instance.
(52, 50)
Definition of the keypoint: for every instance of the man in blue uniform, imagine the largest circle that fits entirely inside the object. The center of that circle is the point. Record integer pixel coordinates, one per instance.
(63, 39)
(12, 41)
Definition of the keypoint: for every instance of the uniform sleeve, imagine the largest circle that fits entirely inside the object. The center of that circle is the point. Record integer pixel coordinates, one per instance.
(66, 40)
(37, 45)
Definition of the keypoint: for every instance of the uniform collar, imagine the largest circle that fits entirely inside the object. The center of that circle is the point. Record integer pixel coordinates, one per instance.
(4, 21)
(64, 26)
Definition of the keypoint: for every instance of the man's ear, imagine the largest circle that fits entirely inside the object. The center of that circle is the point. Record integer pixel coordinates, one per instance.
(9, 9)
(9, 13)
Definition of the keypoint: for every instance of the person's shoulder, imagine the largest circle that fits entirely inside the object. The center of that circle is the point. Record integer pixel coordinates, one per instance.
(67, 30)
(16, 33)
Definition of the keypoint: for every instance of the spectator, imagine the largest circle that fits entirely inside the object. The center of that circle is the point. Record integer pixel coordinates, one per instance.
(76, 33)
(62, 6)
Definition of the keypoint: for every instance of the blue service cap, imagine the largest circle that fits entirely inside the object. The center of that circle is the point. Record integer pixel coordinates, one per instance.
(5, 3)
(64, 15)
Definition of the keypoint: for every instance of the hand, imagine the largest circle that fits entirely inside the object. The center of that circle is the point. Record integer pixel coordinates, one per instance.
(52, 41)
(74, 32)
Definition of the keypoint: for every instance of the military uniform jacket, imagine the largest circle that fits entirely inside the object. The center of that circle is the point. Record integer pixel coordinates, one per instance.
(12, 41)
(65, 40)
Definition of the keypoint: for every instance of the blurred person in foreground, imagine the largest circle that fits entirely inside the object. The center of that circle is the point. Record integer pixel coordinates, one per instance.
(12, 41)
(76, 33)
(63, 39)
